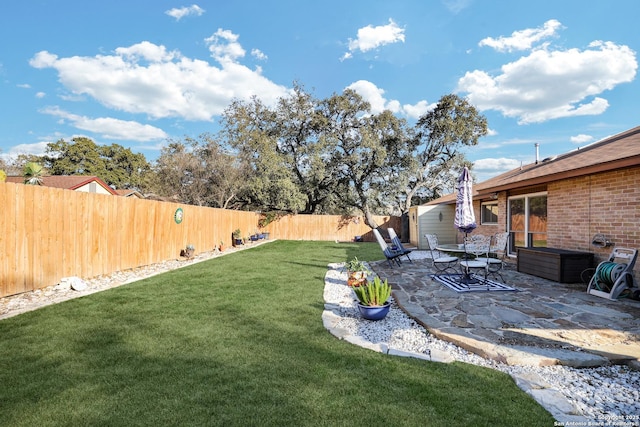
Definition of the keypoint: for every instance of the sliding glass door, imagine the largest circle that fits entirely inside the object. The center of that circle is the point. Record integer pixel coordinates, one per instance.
(527, 217)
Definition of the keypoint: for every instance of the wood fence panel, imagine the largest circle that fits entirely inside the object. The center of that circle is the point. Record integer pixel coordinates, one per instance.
(4, 241)
(47, 225)
(92, 236)
(8, 241)
(327, 227)
(28, 238)
(67, 237)
(114, 260)
(139, 230)
(48, 233)
(164, 223)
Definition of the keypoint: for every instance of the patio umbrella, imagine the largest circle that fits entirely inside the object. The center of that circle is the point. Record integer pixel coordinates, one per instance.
(465, 219)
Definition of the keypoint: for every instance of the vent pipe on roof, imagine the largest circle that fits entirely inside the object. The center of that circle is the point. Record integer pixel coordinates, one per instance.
(537, 152)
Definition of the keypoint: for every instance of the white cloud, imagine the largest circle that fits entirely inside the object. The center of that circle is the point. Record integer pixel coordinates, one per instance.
(24, 85)
(224, 46)
(372, 94)
(455, 6)
(487, 168)
(43, 59)
(524, 39)
(581, 139)
(258, 54)
(110, 128)
(36, 149)
(40, 95)
(375, 96)
(549, 84)
(484, 165)
(371, 37)
(181, 12)
(147, 78)
(417, 110)
(147, 51)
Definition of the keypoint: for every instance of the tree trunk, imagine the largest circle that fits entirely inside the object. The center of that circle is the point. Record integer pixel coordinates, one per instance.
(368, 218)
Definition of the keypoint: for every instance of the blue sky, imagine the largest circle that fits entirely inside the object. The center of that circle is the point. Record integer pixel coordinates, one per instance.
(137, 73)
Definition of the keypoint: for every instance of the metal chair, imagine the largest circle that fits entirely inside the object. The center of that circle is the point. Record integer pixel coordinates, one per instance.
(395, 240)
(386, 250)
(441, 263)
(498, 247)
(476, 246)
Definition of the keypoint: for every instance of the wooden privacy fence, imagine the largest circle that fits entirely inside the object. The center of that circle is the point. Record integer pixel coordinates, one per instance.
(49, 233)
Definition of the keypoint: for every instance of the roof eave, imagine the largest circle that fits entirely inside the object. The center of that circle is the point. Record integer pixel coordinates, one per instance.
(545, 179)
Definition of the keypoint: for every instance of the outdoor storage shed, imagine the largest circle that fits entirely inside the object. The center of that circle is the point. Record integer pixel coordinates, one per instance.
(431, 219)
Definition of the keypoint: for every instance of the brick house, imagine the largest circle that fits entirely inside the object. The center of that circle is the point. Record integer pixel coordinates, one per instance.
(560, 202)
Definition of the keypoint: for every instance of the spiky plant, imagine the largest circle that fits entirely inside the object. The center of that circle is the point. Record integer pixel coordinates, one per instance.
(373, 294)
(33, 173)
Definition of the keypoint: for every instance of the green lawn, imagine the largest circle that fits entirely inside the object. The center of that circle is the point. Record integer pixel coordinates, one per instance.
(234, 341)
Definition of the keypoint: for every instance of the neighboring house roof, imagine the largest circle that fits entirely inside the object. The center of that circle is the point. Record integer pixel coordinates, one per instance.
(616, 152)
(68, 182)
(130, 193)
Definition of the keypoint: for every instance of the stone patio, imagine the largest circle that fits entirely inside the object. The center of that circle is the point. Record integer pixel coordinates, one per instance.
(543, 323)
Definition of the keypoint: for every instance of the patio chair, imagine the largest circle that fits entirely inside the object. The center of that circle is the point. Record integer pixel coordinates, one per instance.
(476, 247)
(386, 250)
(441, 263)
(614, 275)
(395, 241)
(498, 247)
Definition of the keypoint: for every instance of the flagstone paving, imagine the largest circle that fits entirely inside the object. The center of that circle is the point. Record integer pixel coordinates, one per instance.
(543, 323)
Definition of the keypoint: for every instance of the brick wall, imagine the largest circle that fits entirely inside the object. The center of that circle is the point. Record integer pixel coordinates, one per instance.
(579, 208)
(606, 203)
(502, 217)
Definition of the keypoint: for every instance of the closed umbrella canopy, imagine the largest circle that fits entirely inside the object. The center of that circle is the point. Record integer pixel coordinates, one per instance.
(465, 219)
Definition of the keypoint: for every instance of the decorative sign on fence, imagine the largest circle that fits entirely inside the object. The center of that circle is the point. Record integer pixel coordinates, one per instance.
(178, 215)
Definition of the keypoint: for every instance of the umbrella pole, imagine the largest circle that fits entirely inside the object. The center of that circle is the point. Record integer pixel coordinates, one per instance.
(466, 277)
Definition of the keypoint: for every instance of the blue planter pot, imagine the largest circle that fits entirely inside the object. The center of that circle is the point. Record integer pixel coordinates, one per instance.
(374, 313)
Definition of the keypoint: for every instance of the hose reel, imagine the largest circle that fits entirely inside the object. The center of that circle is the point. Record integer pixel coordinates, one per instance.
(607, 274)
(615, 275)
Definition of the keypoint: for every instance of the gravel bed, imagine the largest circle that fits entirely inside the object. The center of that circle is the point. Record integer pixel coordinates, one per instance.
(605, 394)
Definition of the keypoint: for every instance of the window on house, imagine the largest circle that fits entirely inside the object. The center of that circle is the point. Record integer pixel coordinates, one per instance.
(489, 213)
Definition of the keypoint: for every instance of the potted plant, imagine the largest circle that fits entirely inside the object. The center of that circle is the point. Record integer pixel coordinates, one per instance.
(188, 251)
(373, 299)
(356, 272)
(237, 237)
(221, 246)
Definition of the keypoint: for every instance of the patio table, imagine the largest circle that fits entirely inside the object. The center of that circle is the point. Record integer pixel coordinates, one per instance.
(459, 248)
(451, 247)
